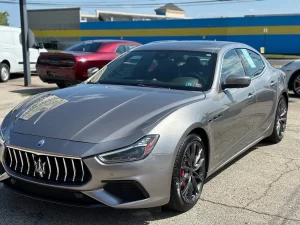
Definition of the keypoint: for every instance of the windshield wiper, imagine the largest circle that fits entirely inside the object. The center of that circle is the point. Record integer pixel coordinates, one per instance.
(152, 86)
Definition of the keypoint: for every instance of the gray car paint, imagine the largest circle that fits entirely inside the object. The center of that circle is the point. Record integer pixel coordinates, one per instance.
(291, 70)
(232, 121)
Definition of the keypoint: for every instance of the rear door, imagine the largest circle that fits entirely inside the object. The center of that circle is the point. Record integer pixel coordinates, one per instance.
(235, 122)
(265, 84)
(34, 55)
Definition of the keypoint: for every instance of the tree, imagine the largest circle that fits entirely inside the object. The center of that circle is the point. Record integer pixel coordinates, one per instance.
(4, 18)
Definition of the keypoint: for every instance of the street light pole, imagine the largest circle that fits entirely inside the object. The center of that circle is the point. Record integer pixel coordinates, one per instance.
(25, 43)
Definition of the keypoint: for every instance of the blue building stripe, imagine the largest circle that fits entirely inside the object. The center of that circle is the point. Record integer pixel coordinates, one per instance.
(277, 44)
(194, 23)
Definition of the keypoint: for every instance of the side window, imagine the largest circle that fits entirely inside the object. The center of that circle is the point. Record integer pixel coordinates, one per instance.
(121, 49)
(252, 62)
(232, 65)
(129, 47)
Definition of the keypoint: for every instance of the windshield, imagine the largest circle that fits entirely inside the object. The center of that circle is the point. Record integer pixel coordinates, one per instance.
(186, 70)
(85, 47)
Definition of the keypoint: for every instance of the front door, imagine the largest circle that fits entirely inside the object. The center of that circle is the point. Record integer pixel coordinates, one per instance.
(231, 133)
(265, 85)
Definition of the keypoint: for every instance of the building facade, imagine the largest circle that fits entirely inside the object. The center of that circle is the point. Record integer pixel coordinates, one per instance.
(68, 20)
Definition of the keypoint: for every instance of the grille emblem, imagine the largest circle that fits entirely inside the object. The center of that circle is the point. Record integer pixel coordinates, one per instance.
(40, 167)
(40, 143)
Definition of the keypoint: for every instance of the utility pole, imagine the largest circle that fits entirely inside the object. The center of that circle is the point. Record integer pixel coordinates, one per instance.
(25, 43)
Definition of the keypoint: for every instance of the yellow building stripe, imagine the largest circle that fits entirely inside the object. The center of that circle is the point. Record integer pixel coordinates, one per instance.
(216, 31)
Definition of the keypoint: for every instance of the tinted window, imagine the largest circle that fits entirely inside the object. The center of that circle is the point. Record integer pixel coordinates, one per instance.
(129, 47)
(121, 49)
(169, 69)
(252, 62)
(232, 65)
(85, 47)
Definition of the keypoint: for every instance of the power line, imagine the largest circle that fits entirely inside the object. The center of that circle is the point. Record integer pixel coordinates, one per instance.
(131, 5)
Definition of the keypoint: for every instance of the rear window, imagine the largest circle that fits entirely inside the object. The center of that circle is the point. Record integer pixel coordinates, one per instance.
(85, 47)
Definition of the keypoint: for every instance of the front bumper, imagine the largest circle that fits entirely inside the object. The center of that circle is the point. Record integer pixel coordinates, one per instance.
(141, 184)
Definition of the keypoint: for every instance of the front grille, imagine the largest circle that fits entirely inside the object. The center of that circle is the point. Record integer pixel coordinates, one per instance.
(47, 168)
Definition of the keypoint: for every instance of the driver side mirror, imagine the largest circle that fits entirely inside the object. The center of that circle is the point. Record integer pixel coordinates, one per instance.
(234, 81)
(92, 71)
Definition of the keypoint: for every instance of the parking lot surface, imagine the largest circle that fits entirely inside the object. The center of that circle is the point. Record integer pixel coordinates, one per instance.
(260, 187)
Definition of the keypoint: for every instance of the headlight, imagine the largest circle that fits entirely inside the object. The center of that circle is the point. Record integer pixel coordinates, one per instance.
(137, 151)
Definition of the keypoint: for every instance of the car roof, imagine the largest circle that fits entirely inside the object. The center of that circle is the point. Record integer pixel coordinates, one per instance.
(191, 45)
(110, 41)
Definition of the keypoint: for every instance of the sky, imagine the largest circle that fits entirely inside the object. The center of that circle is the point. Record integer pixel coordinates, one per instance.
(200, 11)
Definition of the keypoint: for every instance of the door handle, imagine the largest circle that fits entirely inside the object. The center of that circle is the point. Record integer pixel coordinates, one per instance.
(272, 84)
(250, 96)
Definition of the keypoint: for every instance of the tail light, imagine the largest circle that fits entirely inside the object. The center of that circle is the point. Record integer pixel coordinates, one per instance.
(44, 61)
(57, 62)
(67, 62)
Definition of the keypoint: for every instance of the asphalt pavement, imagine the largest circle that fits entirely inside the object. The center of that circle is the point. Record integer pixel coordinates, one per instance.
(279, 62)
(260, 187)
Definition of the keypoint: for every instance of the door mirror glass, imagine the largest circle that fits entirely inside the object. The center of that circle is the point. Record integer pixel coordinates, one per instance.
(40, 45)
(92, 71)
(233, 81)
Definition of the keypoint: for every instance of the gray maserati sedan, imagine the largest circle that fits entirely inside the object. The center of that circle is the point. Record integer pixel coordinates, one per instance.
(147, 129)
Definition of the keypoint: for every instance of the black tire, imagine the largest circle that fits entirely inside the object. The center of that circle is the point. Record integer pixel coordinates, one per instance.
(61, 84)
(280, 122)
(295, 84)
(181, 181)
(4, 72)
(64, 84)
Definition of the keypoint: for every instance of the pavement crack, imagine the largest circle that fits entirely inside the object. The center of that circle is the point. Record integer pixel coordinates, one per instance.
(280, 156)
(270, 185)
(251, 210)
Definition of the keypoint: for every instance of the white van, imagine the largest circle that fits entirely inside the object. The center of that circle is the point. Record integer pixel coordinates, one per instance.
(11, 55)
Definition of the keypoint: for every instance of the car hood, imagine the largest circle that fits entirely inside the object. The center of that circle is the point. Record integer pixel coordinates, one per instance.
(97, 113)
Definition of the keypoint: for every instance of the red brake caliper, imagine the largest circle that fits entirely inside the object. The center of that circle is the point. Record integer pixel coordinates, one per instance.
(182, 173)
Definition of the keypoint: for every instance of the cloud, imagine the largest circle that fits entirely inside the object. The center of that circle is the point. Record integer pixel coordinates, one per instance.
(251, 10)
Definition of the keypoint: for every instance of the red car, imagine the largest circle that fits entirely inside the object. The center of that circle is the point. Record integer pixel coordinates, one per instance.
(70, 66)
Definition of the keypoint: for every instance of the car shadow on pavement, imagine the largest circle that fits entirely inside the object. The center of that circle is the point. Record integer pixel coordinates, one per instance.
(39, 212)
(293, 97)
(262, 143)
(33, 91)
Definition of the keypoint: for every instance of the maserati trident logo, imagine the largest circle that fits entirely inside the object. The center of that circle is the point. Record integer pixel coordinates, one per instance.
(40, 167)
(40, 143)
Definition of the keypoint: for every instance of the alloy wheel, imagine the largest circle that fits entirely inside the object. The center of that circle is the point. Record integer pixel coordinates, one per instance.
(281, 118)
(296, 85)
(192, 172)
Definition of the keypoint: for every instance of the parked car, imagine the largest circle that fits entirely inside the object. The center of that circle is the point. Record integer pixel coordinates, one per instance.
(11, 55)
(70, 66)
(292, 71)
(138, 136)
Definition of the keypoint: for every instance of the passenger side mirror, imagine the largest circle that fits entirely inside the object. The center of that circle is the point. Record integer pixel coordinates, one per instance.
(233, 81)
(92, 71)
(40, 45)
